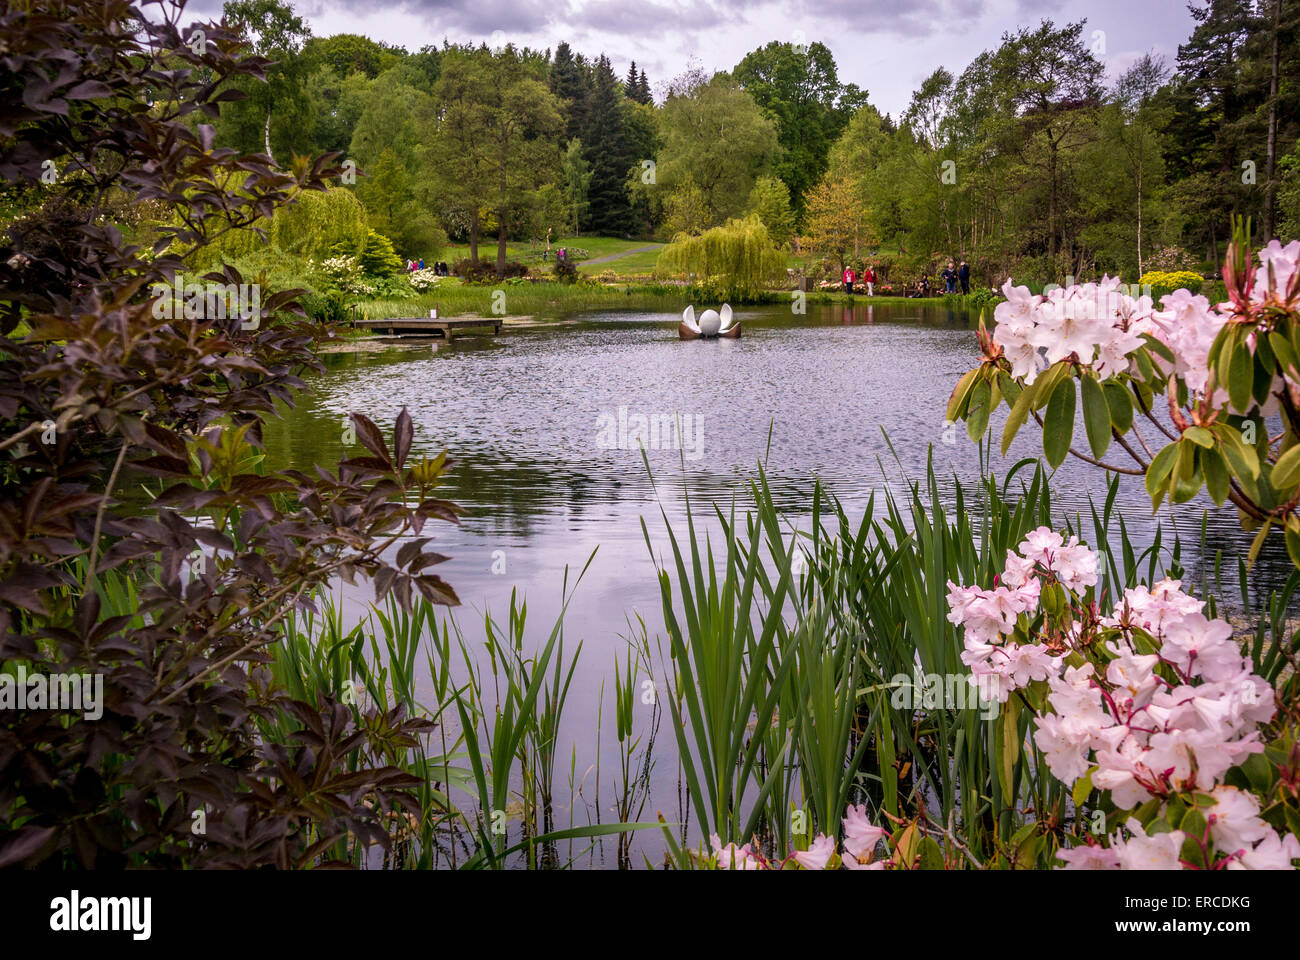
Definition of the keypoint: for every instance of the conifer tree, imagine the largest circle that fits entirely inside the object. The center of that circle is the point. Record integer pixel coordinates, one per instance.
(607, 151)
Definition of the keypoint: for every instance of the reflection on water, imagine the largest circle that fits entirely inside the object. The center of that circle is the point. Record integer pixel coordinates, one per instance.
(544, 422)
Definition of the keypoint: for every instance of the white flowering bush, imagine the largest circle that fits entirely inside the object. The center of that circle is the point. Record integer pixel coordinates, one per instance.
(1182, 390)
(422, 280)
(345, 273)
(1147, 710)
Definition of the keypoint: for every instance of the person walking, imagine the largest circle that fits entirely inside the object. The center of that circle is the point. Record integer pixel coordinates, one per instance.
(964, 276)
(869, 278)
(949, 278)
(848, 279)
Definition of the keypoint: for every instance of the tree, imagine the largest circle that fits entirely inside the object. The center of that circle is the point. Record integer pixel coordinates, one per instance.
(800, 90)
(607, 151)
(715, 136)
(770, 202)
(1051, 80)
(835, 223)
(336, 103)
(686, 211)
(1140, 117)
(736, 261)
(569, 82)
(577, 183)
(493, 144)
(386, 145)
(274, 31)
(347, 53)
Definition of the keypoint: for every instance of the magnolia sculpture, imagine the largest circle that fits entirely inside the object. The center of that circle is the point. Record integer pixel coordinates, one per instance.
(711, 324)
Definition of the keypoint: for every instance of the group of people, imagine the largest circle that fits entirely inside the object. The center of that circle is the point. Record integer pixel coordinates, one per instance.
(953, 275)
(440, 268)
(866, 277)
(956, 276)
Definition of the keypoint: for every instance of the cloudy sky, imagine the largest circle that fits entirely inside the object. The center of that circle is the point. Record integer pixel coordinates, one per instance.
(885, 46)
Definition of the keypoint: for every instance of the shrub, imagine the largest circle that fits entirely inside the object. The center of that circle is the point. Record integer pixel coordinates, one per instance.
(566, 271)
(378, 259)
(423, 280)
(174, 602)
(1163, 283)
(485, 270)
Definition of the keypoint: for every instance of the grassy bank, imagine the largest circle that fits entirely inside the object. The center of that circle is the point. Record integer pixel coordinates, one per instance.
(452, 298)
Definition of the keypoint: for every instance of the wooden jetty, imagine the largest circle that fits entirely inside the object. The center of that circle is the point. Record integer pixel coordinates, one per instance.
(416, 326)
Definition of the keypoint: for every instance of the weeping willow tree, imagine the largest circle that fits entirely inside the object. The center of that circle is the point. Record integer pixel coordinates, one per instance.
(738, 261)
(312, 227)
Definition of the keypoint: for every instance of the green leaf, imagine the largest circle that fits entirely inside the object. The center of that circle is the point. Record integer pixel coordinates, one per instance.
(1258, 542)
(1200, 436)
(1048, 381)
(977, 414)
(1158, 472)
(1285, 354)
(1083, 788)
(1058, 423)
(1286, 472)
(1019, 414)
(1010, 389)
(1010, 742)
(960, 395)
(1121, 405)
(1157, 347)
(1187, 474)
(932, 855)
(1096, 415)
(1293, 545)
(1216, 475)
(1242, 457)
(1241, 377)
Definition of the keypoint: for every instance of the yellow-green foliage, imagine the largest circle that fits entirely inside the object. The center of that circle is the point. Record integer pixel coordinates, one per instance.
(307, 229)
(738, 259)
(1164, 282)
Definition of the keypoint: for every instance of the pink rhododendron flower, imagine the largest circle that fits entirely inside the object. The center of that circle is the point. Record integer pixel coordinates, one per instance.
(860, 834)
(1089, 857)
(1274, 852)
(732, 857)
(818, 854)
(1141, 852)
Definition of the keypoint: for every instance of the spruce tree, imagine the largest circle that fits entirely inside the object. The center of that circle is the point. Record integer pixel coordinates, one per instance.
(568, 82)
(607, 151)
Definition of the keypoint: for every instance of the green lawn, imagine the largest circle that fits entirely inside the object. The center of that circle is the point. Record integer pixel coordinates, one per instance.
(530, 253)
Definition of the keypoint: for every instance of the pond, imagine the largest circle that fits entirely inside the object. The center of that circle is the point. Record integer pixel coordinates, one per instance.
(542, 422)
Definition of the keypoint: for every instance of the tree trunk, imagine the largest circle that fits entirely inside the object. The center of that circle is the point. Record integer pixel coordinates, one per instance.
(473, 238)
(1270, 184)
(1051, 201)
(266, 132)
(501, 246)
(1139, 210)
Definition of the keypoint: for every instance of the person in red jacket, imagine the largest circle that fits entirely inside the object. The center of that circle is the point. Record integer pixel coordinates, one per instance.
(849, 277)
(869, 278)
